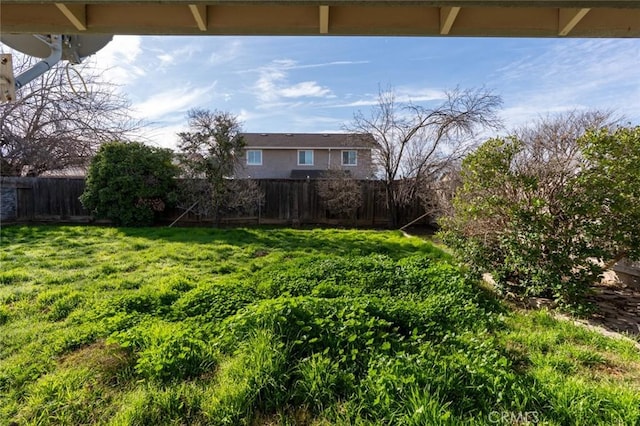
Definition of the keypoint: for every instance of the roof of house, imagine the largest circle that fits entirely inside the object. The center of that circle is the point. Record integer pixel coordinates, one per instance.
(308, 140)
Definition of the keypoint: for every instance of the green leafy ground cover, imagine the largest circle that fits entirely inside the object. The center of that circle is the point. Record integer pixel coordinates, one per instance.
(293, 327)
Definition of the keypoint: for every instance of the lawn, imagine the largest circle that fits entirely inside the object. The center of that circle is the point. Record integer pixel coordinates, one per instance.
(161, 326)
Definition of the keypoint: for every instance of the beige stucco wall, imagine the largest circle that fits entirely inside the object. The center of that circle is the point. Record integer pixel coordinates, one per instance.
(278, 163)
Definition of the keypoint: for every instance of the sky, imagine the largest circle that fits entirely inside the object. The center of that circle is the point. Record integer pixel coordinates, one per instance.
(316, 84)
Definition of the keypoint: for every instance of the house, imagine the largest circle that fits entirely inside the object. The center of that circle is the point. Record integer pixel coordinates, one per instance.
(305, 155)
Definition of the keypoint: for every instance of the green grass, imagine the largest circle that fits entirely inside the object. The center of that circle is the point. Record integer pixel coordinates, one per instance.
(283, 327)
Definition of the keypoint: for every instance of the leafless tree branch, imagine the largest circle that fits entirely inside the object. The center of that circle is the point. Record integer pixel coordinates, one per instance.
(417, 143)
(60, 119)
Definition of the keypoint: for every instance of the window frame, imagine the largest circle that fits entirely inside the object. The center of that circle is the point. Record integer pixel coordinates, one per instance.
(305, 164)
(355, 163)
(254, 164)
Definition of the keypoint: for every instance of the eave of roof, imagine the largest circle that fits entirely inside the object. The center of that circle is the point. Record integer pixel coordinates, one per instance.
(503, 18)
(307, 141)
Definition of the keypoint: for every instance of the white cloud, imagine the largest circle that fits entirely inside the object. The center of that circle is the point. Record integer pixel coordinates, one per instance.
(173, 101)
(573, 75)
(165, 58)
(118, 60)
(163, 135)
(244, 115)
(229, 51)
(273, 84)
(267, 84)
(290, 64)
(305, 89)
(416, 95)
(403, 95)
(370, 101)
(521, 115)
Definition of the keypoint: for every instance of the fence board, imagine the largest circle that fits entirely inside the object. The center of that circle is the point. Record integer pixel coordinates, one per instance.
(286, 202)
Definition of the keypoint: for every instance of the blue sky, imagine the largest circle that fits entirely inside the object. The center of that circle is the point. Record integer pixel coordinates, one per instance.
(315, 84)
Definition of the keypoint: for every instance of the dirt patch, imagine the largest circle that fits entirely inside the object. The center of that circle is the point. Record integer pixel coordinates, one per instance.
(108, 361)
(616, 314)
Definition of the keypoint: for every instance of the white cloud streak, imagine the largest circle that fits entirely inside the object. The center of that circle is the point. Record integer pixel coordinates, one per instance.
(273, 85)
(573, 75)
(404, 95)
(118, 60)
(305, 89)
(229, 51)
(172, 102)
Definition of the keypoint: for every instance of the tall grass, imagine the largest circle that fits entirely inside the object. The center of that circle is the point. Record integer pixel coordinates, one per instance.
(277, 326)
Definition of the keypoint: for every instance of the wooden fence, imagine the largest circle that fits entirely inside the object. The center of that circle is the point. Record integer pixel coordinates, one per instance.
(286, 202)
(42, 199)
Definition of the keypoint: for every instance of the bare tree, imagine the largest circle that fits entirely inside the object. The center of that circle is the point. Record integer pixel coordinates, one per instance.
(242, 197)
(416, 143)
(341, 193)
(60, 119)
(210, 152)
(436, 193)
(551, 153)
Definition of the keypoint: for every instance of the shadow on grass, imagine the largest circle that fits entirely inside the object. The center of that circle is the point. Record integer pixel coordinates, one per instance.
(321, 240)
(329, 241)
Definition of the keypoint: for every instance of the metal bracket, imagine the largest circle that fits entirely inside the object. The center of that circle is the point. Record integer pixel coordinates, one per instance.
(55, 44)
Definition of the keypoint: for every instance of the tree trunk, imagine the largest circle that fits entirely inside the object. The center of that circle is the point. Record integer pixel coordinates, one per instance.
(617, 258)
(392, 206)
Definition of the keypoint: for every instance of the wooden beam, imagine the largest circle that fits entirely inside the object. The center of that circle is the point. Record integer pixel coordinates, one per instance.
(7, 80)
(568, 18)
(199, 12)
(447, 18)
(75, 13)
(324, 19)
(302, 17)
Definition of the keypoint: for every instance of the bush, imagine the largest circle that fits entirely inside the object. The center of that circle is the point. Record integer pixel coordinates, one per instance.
(544, 222)
(129, 183)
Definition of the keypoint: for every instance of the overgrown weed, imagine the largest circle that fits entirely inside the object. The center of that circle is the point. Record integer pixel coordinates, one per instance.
(277, 326)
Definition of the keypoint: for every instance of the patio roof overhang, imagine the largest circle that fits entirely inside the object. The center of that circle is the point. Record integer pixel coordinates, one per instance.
(480, 18)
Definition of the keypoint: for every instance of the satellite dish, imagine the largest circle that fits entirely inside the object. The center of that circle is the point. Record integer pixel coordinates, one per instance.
(74, 47)
(52, 48)
(27, 44)
(81, 46)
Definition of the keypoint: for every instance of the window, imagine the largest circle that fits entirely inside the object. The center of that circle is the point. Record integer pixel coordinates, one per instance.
(305, 158)
(254, 157)
(350, 158)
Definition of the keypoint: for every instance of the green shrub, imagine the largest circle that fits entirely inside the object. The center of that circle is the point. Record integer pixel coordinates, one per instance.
(129, 183)
(537, 216)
